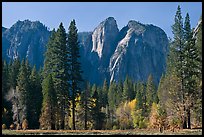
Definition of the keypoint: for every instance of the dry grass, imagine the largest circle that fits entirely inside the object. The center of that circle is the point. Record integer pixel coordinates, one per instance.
(102, 132)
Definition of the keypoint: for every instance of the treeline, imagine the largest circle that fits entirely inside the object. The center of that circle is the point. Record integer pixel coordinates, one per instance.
(21, 94)
(56, 97)
(180, 88)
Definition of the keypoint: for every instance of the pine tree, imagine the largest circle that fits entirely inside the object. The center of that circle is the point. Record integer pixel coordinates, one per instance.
(160, 91)
(112, 95)
(100, 96)
(60, 73)
(76, 78)
(190, 67)
(35, 99)
(6, 105)
(178, 45)
(97, 116)
(5, 75)
(48, 111)
(119, 93)
(14, 67)
(85, 98)
(143, 100)
(105, 93)
(28, 67)
(23, 87)
(48, 61)
(128, 89)
(151, 91)
(57, 64)
(139, 100)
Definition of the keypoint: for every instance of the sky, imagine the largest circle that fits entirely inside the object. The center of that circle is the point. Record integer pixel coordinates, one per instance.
(89, 14)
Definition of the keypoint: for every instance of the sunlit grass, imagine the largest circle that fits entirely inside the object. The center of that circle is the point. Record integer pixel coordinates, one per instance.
(101, 132)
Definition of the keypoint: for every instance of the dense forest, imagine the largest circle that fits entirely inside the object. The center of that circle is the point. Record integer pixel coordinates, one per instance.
(57, 97)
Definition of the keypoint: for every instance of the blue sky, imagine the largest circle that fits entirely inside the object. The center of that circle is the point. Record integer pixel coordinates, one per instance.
(89, 14)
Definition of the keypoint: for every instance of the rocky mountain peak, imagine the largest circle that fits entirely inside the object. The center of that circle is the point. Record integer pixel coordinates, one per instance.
(137, 50)
(26, 25)
(103, 36)
(25, 39)
(136, 26)
(142, 48)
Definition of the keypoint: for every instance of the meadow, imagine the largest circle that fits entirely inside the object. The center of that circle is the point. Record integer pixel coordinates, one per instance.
(102, 132)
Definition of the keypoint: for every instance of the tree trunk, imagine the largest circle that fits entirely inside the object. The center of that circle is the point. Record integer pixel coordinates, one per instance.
(52, 118)
(73, 113)
(63, 114)
(189, 118)
(85, 111)
(62, 124)
(185, 123)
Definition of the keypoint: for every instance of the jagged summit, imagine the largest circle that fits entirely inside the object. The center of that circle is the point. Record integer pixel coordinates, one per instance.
(135, 24)
(136, 50)
(25, 39)
(103, 35)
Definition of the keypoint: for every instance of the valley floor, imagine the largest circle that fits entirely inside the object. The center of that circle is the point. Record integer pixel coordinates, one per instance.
(102, 132)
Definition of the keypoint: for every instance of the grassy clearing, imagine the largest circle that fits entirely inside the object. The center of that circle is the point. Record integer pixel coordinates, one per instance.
(101, 132)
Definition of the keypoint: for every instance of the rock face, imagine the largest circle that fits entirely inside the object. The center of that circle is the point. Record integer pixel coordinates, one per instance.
(197, 28)
(25, 39)
(141, 51)
(98, 48)
(137, 50)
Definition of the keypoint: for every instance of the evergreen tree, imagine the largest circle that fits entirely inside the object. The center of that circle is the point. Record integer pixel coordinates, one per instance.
(178, 45)
(105, 93)
(97, 116)
(100, 96)
(14, 68)
(4, 82)
(190, 67)
(141, 89)
(28, 67)
(93, 89)
(151, 91)
(169, 91)
(160, 91)
(112, 95)
(60, 73)
(6, 105)
(139, 100)
(48, 111)
(35, 102)
(127, 89)
(119, 93)
(57, 64)
(23, 87)
(75, 68)
(86, 104)
(48, 61)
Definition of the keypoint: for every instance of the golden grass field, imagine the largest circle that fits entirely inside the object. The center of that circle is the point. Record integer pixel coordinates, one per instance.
(102, 132)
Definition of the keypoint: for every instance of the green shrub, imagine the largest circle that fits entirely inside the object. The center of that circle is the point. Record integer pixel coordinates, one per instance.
(143, 123)
(115, 127)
